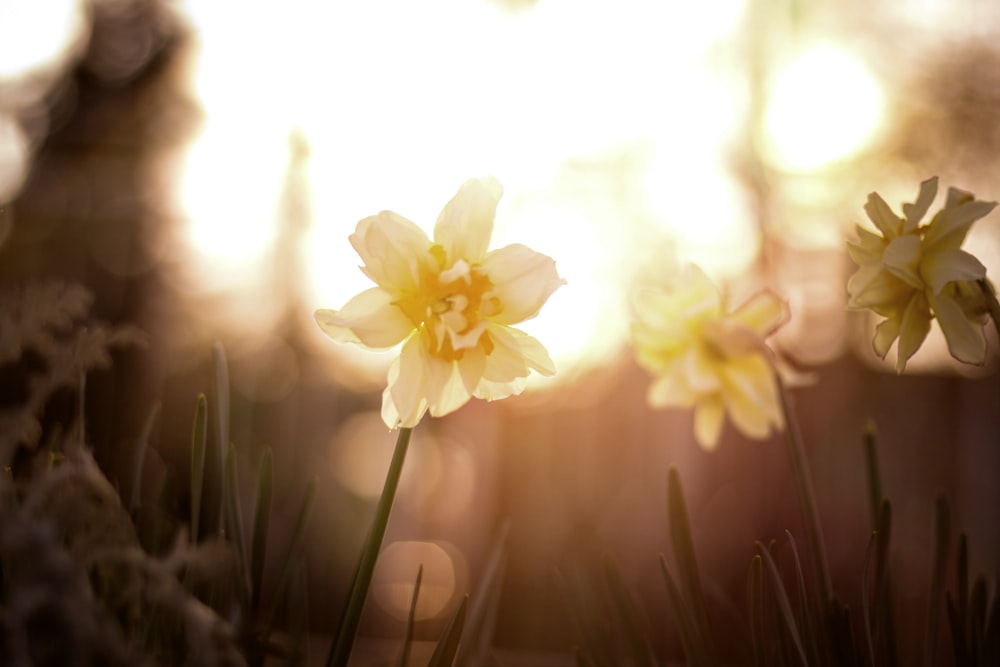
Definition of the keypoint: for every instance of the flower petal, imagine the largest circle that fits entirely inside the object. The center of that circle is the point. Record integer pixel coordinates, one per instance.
(446, 391)
(522, 280)
(763, 313)
(948, 228)
(879, 213)
(966, 338)
(700, 370)
(394, 251)
(902, 259)
(535, 354)
(404, 401)
(671, 390)
(886, 334)
(465, 225)
(511, 360)
(871, 287)
(494, 391)
(369, 318)
(913, 328)
(915, 212)
(751, 397)
(708, 418)
(867, 249)
(945, 266)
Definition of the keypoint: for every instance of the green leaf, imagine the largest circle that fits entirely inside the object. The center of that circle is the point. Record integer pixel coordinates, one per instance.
(942, 536)
(962, 580)
(991, 636)
(222, 420)
(140, 458)
(805, 613)
(483, 612)
(587, 617)
(294, 553)
(781, 597)
(199, 435)
(261, 522)
(977, 617)
(755, 610)
(872, 468)
(444, 652)
(687, 563)
(696, 650)
(866, 604)
(411, 618)
(234, 522)
(642, 652)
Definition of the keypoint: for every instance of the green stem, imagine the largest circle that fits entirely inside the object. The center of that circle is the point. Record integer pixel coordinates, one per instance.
(803, 480)
(340, 651)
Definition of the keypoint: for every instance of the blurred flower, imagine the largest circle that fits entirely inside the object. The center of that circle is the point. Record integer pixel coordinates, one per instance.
(705, 357)
(912, 273)
(452, 302)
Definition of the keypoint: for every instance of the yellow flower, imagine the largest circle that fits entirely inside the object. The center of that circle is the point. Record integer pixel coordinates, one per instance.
(451, 303)
(913, 273)
(707, 358)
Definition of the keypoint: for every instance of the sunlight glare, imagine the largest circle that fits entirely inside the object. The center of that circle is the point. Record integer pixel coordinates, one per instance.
(36, 34)
(825, 106)
(400, 106)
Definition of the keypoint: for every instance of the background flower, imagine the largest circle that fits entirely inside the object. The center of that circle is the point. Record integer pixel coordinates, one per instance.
(451, 303)
(707, 358)
(911, 274)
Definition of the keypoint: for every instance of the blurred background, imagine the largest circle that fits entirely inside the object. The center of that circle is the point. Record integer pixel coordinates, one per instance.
(199, 167)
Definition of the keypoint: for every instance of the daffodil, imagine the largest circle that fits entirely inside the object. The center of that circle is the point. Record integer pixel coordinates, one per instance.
(451, 302)
(913, 273)
(705, 357)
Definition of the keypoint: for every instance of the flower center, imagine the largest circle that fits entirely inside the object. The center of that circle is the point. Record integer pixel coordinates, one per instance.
(453, 308)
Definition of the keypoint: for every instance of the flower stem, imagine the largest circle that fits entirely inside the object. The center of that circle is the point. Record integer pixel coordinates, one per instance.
(340, 651)
(803, 481)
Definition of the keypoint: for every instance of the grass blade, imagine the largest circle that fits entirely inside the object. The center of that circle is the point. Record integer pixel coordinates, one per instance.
(586, 615)
(695, 648)
(340, 650)
(642, 652)
(222, 420)
(687, 564)
(866, 604)
(261, 522)
(234, 521)
(411, 619)
(482, 614)
(140, 458)
(755, 610)
(447, 648)
(781, 596)
(874, 475)
(810, 511)
(962, 580)
(294, 550)
(942, 536)
(977, 616)
(199, 435)
(805, 615)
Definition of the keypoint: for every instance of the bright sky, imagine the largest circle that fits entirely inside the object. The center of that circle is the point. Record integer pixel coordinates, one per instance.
(400, 102)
